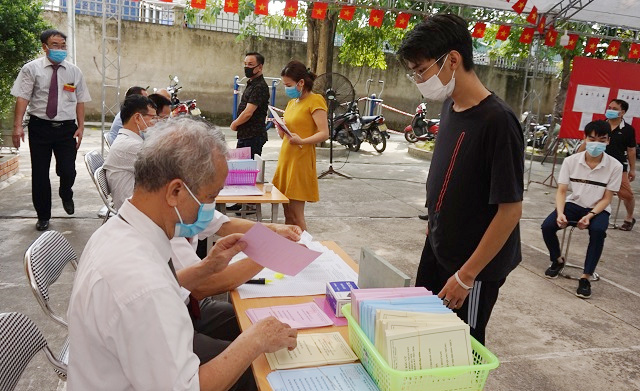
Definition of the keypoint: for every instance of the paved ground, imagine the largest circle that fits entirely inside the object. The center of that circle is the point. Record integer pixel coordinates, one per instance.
(545, 337)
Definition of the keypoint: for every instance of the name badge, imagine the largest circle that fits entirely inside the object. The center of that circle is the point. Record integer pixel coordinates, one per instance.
(69, 87)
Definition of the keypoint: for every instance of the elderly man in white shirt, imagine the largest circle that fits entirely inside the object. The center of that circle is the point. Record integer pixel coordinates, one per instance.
(128, 324)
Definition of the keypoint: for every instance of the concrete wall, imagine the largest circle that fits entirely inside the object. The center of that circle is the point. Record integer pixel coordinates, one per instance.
(207, 61)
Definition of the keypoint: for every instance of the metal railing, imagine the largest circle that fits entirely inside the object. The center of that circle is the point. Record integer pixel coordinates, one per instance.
(139, 11)
(230, 23)
(547, 67)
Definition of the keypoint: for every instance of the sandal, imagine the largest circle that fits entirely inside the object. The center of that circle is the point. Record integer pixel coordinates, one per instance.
(627, 225)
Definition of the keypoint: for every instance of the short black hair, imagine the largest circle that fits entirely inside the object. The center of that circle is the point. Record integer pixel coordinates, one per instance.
(623, 104)
(598, 128)
(135, 90)
(160, 102)
(46, 34)
(133, 105)
(259, 57)
(434, 37)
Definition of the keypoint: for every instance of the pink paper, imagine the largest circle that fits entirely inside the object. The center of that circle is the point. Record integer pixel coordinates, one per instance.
(322, 303)
(240, 153)
(276, 252)
(298, 316)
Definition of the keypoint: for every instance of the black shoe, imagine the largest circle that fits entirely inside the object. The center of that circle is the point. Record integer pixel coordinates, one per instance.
(250, 210)
(234, 207)
(68, 206)
(584, 288)
(555, 269)
(423, 217)
(42, 225)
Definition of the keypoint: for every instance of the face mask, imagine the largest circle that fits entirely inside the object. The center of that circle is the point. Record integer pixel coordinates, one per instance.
(612, 114)
(595, 148)
(205, 215)
(56, 55)
(433, 88)
(140, 131)
(292, 92)
(248, 72)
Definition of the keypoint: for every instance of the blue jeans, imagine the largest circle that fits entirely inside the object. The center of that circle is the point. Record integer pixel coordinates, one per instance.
(597, 233)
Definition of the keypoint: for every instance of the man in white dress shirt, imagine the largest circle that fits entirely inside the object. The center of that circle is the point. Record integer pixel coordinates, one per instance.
(129, 327)
(116, 125)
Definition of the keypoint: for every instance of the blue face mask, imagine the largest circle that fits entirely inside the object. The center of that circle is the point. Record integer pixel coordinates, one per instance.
(595, 148)
(57, 56)
(292, 92)
(612, 114)
(205, 215)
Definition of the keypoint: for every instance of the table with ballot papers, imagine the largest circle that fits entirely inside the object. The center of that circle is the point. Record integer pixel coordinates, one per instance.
(404, 338)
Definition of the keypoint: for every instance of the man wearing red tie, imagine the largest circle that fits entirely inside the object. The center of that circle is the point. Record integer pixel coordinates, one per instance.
(55, 92)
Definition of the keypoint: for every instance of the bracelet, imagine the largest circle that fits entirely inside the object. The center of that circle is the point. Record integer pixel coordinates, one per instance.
(593, 213)
(462, 284)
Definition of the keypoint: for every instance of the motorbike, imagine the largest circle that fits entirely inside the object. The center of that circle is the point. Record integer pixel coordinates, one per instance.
(351, 129)
(421, 128)
(189, 107)
(537, 134)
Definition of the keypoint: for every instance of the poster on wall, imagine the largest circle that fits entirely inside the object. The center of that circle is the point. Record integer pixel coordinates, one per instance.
(592, 85)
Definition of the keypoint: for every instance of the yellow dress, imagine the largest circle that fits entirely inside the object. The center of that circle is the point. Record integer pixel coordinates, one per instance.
(296, 175)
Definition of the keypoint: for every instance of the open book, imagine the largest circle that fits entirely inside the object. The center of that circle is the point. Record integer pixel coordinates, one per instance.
(279, 122)
(313, 350)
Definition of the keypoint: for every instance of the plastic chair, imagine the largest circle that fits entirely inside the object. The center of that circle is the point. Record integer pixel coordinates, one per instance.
(594, 277)
(93, 160)
(100, 180)
(20, 340)
(106, 139)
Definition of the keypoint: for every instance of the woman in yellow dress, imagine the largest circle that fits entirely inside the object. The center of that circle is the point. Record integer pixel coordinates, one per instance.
(306, 119)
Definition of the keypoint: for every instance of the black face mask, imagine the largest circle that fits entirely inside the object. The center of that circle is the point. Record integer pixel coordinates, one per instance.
(248, 72)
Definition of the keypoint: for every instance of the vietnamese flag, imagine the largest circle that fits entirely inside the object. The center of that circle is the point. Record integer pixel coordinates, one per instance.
(262, 7)
(346, 12)
(592, 45)
(319, 10)
(402, 20)
(291, 8)
(573, 41)
(231, 6)
(634, 50)
(527, 35)
(503, 33)
(376, 17)
(542, 24)
(478, 30)
(551, 37)
(533, 16)
(519, 6)
(201, 4)
(614, 48)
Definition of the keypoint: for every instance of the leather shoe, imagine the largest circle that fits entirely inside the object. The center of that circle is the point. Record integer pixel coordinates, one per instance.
(68, 207)
(423, 217)
(234, 207)
(42, 225)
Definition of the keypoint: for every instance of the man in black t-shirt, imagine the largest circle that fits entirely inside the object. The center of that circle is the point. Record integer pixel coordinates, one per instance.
(475, 182)
(253, 107)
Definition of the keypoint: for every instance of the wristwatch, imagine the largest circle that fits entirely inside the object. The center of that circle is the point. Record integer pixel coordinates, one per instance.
(593, 213)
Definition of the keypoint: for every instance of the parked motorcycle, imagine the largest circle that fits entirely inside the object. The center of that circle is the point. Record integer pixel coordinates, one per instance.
(351, 129)
(421, 128)
(189, 107)
(536, 134)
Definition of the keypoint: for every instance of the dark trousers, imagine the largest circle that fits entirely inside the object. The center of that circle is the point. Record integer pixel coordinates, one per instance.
(477, 307)
(597, 233)
(256, 143)
(214, 332)
(46, 137)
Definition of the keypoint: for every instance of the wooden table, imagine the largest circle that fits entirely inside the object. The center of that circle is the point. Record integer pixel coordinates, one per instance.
(274, 198)
(260, 366)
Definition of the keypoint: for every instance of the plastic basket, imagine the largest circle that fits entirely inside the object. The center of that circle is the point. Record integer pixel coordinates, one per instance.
(236, 177)
(460, 378)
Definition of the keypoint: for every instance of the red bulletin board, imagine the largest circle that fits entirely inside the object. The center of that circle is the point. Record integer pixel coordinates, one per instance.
(592, 85)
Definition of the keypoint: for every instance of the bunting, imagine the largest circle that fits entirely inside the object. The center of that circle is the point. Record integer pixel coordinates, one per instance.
(200, 4)
(634, 50)
(551, 37)
(592, 45)
(503, 33)
(231, 6)
(479, 30)
(346, 12)
(291, 8)
(527, 35)
(319, 10)
(573, 41)
(533, 16)
(262, 7)
(376, 17)
(519, 6)
(402, 21)
(614, 48)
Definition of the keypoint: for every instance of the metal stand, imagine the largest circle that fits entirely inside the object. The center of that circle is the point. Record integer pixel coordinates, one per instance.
(552, 178)
(111, 56)
(331, 97)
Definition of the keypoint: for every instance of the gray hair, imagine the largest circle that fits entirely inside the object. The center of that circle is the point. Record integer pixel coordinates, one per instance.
(181, 148)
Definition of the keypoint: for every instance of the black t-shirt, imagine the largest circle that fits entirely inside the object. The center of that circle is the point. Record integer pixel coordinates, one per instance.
(621, 139)
(478, 163)
(257, 93)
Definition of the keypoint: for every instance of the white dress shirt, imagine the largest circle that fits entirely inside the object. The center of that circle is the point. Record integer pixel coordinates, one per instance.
(116, 125)
(33, 83)
(128, 327)
(119, 165)
(184, 250)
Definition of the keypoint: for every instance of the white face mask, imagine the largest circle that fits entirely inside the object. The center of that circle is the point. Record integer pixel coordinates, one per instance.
(142, 132)
(433, 89)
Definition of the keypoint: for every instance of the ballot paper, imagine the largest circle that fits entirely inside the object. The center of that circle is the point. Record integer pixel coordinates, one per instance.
(298, 316)
(357, 295)
(279, 121)
(240, 190)
(240, 153)
(313, 350)
(276, 252)
(346, 377)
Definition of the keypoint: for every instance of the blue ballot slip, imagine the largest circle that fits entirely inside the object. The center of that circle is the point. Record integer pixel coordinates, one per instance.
(346, 377)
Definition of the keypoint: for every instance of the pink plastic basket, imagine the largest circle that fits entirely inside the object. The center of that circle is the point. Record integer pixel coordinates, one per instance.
(236, 177)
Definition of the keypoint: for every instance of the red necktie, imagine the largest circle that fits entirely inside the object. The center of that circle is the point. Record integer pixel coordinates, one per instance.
(52, 103)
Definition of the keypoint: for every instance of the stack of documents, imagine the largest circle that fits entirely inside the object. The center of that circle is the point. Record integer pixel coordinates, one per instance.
(357, 295)
(313, 350)
(298, 316)
(347, 377)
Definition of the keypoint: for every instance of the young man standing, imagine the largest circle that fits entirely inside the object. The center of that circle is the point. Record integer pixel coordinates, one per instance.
(475, 182)
(593, 177)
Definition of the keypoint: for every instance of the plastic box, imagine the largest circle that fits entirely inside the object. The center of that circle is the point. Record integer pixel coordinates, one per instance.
(236, 177)
(460, 378)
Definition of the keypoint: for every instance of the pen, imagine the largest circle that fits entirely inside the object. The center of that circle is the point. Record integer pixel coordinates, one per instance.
(259, 281)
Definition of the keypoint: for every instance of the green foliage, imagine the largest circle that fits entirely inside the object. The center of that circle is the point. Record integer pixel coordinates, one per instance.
(22, 23)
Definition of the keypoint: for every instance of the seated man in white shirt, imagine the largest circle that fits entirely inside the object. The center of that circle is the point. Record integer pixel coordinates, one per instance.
(593, 177)
(129, 327)
(116, 125)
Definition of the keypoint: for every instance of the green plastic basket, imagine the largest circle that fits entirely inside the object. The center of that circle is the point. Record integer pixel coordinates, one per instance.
(459, 378)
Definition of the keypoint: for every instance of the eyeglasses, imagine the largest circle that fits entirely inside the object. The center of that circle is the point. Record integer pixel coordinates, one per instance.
(417, 77)
(57, 47)
(153, 116)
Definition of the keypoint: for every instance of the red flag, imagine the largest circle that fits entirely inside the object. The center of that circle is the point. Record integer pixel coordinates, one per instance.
(262, 7)
(551, 37)
(527, 35)
(291, 8)
(533, 16)
(614, 47)
(542, 24)
(573, 41)
(634, 50)
(503, 33)
(168, 1)
(376, 17)
(402, 21)
(519, 6)
(319, 10)
(347, 11)
(479, 29)
(592, 45)
(231, 6)
(201, 4)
